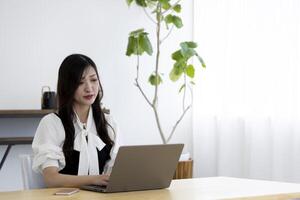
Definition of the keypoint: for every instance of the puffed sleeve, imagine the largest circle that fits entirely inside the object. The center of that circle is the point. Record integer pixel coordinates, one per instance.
(47, 144)
(118, 141)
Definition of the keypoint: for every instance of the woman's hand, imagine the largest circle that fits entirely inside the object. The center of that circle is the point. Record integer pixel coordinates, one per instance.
(101, 179)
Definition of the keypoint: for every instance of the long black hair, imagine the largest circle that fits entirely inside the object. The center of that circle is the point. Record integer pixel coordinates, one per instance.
(69, 77)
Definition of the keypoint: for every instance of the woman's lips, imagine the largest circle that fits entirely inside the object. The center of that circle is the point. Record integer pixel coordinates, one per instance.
(88, 97)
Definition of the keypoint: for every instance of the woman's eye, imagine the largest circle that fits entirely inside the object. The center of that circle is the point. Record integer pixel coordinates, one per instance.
(94, 80)
(81, 82)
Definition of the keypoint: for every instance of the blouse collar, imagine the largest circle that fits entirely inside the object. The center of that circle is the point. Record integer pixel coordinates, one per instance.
(87, 125)
(87, 143)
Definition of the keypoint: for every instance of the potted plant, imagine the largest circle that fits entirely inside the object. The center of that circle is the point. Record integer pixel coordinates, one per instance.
(163, 13)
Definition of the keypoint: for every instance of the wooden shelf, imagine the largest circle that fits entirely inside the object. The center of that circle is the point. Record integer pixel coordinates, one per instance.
(31, 113)
(24, 113)
(15, 140)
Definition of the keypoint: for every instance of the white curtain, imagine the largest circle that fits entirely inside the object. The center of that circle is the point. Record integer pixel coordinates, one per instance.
(247, 102)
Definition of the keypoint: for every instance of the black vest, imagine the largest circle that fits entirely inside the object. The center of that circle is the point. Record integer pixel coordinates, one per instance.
(72, 160)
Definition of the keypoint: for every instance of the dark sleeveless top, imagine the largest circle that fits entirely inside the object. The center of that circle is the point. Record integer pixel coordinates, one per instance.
(72, 160)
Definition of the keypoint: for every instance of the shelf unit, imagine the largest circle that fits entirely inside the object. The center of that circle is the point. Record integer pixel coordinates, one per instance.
(10, 141)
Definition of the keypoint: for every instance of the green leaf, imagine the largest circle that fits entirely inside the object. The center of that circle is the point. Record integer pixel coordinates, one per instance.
(177, 8)
(177, 21)
(181, 88)
(191, 44)
(155, 79)
(165, 4)
(177, 55)
(201, 61)
(131, 46)
(169, 19)
(174, 20)
(186, 51)
(145, 44)
(138, 43)
(129, 2)
(173, 75)
(190, 71)
(177, 71)
(139, 49)
(180, 64)
(141, 3)
(136, 32)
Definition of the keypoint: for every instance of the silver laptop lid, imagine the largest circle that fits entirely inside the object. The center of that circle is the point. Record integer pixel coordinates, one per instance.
(144, 167)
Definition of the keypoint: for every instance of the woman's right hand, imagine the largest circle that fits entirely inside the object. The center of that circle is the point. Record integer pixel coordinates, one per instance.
(101, 179)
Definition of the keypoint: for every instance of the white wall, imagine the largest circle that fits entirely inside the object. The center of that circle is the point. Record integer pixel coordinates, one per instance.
(36, 35)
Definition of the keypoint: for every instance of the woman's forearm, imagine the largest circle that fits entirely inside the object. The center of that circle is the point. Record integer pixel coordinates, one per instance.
(61, 180)
(54, 179)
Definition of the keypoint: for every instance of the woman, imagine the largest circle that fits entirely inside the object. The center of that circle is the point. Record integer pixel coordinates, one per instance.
(75, 146)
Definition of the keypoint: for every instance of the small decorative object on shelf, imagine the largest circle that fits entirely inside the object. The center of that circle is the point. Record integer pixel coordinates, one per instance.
(48, 98)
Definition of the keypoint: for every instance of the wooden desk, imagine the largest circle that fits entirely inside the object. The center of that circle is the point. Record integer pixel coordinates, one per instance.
(184, 189)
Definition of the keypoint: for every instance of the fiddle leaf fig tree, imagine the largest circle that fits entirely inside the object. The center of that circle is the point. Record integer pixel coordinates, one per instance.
(163, 14)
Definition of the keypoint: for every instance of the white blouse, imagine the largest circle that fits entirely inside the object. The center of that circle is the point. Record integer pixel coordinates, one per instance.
(50, 136)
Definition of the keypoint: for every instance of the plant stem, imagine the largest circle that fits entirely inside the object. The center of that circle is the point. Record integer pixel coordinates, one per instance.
(177, 122)
(137, 67)
(155, 100)
(192, 95)
(137, 80)
(141, 90)
(158, 17)
(184, 93)
(171, 29)
(159, 126)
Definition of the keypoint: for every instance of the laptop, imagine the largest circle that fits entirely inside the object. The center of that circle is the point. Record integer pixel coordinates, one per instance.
(142, 167)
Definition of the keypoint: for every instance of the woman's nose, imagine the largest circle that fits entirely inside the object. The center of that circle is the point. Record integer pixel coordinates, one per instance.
(88, 87)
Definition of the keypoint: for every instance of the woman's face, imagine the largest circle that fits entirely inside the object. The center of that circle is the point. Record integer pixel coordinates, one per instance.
(88, 88)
